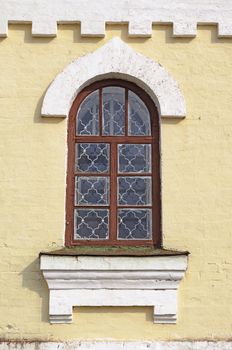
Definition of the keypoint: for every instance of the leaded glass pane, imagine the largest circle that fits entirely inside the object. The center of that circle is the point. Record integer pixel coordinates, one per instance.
(138, 116)
(134, 224)
(92, 157)
(134, 158)
(88, 115)
(91, 224)
(134, 190)
(92, 190)
(113, 111)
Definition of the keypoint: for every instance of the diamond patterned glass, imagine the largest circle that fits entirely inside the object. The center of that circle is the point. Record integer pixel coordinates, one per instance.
(92, 157)
(88, 115)
(134, 190)
(91, 224)
(92, 190)
(134, 158)
(113, 111)
(134, 224)
(138, 116)
(112, 175)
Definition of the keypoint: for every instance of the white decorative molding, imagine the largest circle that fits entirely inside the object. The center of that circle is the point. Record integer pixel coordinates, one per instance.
(114, 60)
(113, 281)
(118, 345)
(140, 15)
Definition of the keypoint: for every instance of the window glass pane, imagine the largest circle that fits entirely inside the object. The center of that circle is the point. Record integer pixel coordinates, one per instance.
(134, 158)
(134, 190)
(91, 223)
(113, 111)
(139, 116)
(92, 190)
(134, 224)
(88, 115)
(92, 157)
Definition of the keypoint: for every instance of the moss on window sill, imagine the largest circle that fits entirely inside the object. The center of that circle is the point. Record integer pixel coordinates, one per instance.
(113, 251)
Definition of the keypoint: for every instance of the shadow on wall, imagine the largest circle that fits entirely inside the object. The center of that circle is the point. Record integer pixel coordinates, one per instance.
(45, 120)
(171, 121)
(33, 280)
(120, 30)
(122, 311)
(213, 30)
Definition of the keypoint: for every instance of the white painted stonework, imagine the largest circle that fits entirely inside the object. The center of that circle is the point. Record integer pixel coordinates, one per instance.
(111, 345)
(140, 15)
(114, 60)
(113, 281)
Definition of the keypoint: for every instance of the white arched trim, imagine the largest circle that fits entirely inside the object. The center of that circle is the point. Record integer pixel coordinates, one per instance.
(114, 60)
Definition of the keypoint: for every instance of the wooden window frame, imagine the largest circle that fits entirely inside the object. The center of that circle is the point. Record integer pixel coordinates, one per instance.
(154, 140)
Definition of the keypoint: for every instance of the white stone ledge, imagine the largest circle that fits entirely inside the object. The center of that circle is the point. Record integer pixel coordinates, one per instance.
(80, 263)
(113, 281)
(118, 345)
(140, 15)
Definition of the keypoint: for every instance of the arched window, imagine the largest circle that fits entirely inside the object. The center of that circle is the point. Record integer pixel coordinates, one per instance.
(113, 178)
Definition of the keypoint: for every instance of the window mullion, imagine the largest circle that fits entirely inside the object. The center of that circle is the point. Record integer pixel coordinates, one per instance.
(126, 112)
(113, 192)
(100, 111)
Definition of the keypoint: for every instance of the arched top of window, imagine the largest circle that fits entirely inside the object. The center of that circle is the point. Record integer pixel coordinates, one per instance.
(116, 101)
(113, 188)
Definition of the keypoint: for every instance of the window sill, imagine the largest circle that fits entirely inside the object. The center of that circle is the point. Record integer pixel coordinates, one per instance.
(113, 251)
(113, 276)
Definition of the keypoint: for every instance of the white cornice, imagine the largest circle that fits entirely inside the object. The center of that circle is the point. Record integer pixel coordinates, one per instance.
(115, 59)
(140, 15)
(118, 345)
(113, 281)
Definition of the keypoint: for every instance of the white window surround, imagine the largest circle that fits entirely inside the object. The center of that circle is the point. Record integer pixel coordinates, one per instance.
(113, 281)
(115, 59)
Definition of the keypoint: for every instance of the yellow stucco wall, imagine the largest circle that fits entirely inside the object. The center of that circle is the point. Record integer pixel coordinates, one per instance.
(196, 177)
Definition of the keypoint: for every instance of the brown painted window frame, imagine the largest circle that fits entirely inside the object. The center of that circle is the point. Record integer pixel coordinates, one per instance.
(154, 140)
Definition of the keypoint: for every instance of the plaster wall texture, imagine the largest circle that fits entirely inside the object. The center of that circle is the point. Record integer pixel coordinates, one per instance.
(196, 185)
